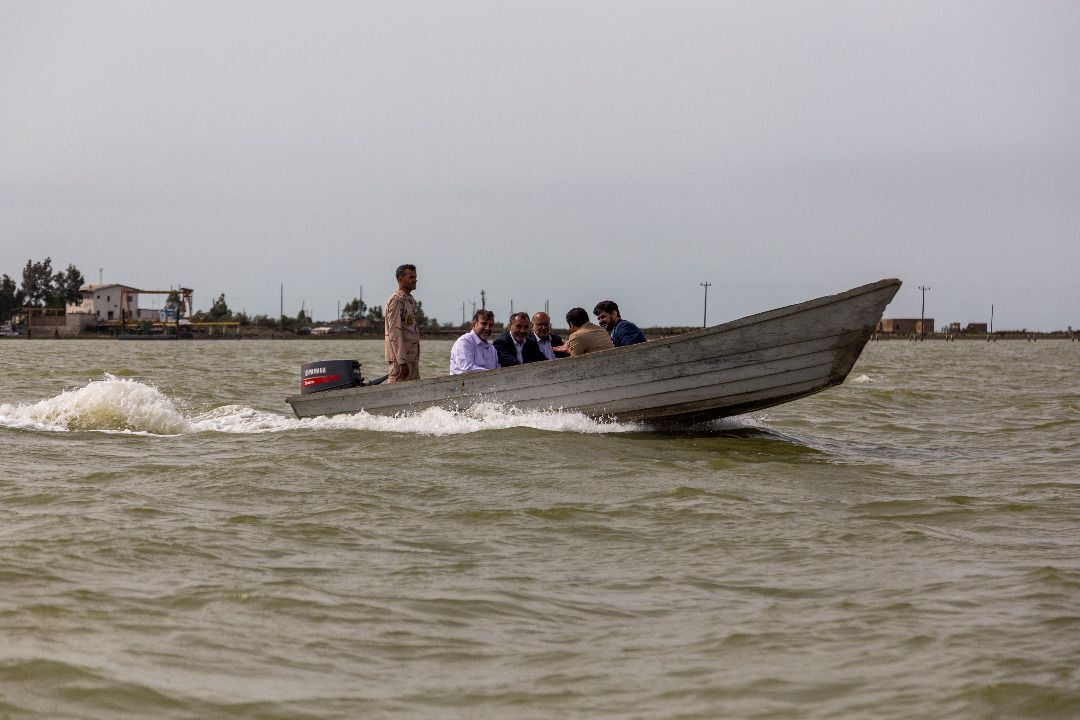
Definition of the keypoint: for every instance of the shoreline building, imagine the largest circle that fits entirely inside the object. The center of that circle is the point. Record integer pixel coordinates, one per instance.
(104, 304)
(905, 326)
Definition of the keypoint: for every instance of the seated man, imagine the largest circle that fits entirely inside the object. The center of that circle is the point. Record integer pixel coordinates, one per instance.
(472, 352)
(517, 346)
(623, 332)
(547, 340)
(585, 337)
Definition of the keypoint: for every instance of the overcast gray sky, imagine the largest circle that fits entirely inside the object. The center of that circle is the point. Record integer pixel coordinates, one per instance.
(551, 151)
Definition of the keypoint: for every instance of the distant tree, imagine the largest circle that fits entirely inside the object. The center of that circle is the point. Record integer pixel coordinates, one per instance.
(42, 288)
(174, 306)
(11, 298)
(264, 321)
(375, 314)
(292, 324)
(302, 318)
(219, 311)
(354, 309)
(66, 287)
(37, 282)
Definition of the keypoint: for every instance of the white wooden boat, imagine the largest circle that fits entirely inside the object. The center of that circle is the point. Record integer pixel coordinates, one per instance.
(737, 367)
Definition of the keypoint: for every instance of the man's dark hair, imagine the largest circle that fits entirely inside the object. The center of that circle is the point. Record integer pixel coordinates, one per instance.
(482, 314)
(523, 315)
(608, 306)
(577, 317)
(401, 270)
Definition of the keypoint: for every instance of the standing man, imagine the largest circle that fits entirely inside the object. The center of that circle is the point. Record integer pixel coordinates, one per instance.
(402, 339)
(517, 345)
(585, 337)
(472, 352)
(623, 332)
(547, 340)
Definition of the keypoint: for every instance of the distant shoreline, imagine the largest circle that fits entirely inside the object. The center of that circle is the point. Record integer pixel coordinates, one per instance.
(453, 334)
(981, 337)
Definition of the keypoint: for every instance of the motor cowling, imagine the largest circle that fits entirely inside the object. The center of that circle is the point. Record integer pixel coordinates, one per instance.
(329, 375)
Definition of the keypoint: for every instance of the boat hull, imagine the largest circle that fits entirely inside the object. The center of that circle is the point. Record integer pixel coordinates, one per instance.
(744, 365)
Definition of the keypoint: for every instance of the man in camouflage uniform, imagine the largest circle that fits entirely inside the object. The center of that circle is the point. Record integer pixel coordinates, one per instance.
(402, 339)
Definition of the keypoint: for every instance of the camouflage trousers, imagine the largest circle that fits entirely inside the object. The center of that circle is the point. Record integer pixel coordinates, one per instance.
(413, 372)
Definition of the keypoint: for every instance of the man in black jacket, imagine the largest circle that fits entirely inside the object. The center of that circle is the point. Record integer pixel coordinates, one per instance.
(517, 345)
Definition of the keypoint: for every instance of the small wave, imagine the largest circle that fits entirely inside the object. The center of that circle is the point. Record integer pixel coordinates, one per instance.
(121, 405)
(862, 379)
(480, 417)
(111, 404)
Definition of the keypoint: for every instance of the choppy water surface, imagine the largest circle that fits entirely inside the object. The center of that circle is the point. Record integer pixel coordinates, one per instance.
(174, 544)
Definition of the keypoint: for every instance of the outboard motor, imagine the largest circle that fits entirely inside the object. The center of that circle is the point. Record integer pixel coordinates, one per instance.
(329, 375)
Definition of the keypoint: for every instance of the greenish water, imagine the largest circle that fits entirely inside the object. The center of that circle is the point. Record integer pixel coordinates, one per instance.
(174, 544)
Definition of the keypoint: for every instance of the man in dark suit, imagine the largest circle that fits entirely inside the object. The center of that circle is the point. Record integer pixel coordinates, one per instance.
(541, 330)
(517, 345)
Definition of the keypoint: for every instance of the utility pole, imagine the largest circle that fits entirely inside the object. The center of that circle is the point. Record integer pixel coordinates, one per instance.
(705, 312)
(462, 312)
(546, 305)
(511, 307)
(100, 274)
(922, 314)
(483, 300)
(991, 318)
(281, 309)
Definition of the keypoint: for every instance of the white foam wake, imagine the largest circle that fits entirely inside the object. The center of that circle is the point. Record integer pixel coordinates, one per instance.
(124, 405)
(111, 404)
(483, 416)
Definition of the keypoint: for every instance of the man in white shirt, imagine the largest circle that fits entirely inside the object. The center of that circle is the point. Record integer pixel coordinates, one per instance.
(472, 352)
